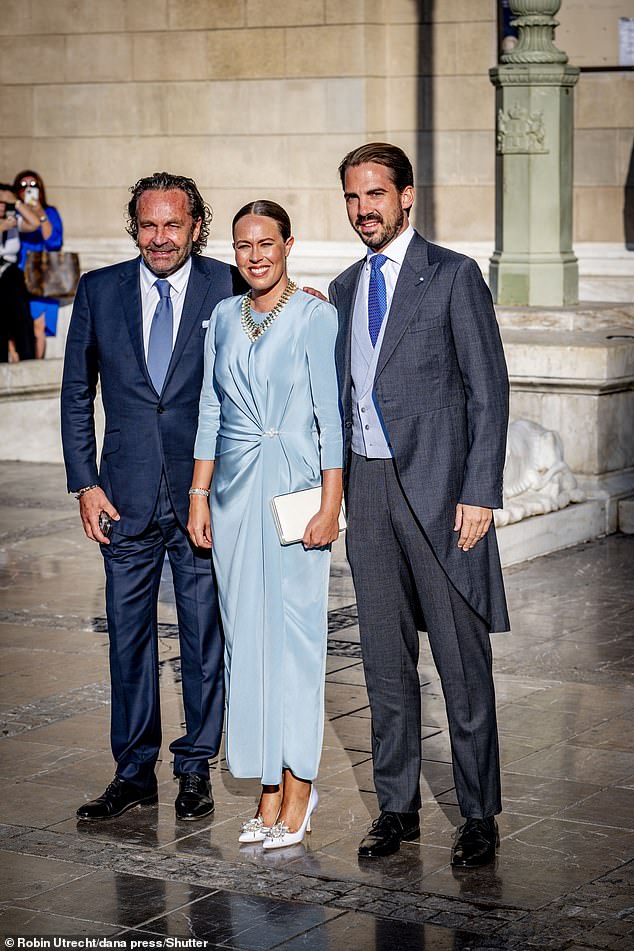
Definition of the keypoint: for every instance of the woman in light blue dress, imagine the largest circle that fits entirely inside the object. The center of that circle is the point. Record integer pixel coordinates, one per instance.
(269, 424)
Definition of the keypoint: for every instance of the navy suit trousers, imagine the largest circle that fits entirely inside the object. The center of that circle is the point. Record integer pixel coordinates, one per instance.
(133, 568)
(397, 579)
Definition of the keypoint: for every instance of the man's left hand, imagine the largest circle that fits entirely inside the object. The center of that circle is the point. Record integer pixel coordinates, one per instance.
(314, 293)
(472, 521)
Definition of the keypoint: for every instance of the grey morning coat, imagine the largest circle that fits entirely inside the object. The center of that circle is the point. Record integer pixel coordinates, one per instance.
(442, 388)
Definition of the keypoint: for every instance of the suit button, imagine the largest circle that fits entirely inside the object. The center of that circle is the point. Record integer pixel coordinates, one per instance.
(159, 409)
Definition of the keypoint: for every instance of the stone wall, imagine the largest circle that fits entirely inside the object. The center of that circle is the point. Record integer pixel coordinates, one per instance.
(263, 97)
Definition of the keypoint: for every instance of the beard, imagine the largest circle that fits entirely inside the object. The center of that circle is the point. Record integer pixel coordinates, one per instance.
(164, 260)
(383, 235)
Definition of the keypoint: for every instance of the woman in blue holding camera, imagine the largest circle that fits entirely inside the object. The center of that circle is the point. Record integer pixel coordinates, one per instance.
(30, 191)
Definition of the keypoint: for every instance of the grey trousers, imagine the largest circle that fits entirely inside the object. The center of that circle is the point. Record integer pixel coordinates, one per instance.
(397, 578)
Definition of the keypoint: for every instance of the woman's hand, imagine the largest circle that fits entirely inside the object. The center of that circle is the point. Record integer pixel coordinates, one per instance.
(322, 530)
(36, 208)
(31, 215)
(7, 223)
(199, 523)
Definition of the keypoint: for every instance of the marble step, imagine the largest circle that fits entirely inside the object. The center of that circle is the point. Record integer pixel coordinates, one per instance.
(626, 516)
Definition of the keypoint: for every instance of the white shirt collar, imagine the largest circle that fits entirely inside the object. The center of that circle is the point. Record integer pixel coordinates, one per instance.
(395, 251)
(177, 280)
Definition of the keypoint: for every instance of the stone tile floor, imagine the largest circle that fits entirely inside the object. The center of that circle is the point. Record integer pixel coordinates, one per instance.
(562, 879)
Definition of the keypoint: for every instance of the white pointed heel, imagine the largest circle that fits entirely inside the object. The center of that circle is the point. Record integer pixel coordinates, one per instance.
(279, 836)
(253, 830)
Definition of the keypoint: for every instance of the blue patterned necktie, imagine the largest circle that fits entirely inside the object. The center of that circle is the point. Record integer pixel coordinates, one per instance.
(159, 351)
(377, 297)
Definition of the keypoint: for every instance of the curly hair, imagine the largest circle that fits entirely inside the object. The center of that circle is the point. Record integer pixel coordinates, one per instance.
(165, 181)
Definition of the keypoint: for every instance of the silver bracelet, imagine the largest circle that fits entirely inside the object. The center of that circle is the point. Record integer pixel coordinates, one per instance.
(80, 492)
(195, 491)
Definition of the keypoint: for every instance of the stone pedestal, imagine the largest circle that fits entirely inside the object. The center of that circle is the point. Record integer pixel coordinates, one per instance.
(572, 371)
(533, 262)
(29, 411)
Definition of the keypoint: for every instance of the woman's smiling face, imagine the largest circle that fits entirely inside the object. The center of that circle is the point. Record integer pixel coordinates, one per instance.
(261, 252)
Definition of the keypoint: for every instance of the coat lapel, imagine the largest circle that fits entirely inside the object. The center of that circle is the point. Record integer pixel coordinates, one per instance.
(412, 285)
(130, 291)
(346, 294)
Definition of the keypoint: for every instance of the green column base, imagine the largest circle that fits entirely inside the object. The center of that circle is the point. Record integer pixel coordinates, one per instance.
(544, 280)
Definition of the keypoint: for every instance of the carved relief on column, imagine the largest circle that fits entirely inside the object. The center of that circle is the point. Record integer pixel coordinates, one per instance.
(535, 22)
(520, 132)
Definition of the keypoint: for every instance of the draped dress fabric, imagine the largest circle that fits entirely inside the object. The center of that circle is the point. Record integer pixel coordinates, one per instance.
(270, 416)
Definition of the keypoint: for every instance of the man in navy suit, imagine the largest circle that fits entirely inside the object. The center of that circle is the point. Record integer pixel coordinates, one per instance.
(138, 328)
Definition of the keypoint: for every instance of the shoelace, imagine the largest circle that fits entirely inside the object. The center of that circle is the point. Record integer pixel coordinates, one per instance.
(382, 820)
(113, 787)
(475, 828)
(192, 783)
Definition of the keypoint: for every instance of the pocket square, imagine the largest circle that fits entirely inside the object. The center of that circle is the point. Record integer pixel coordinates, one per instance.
(205, 323)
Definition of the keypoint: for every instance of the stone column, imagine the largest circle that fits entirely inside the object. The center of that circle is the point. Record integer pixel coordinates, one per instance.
(533, 262)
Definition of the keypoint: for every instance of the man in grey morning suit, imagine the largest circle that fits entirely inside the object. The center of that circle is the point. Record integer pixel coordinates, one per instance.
(139, 328)
(425, 402)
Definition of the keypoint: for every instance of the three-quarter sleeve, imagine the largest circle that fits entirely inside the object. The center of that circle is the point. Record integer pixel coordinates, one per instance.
(209, 404)
(56, 238)
(320, 348)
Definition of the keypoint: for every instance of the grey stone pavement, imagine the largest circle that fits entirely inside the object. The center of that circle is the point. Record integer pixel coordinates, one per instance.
(562, 878)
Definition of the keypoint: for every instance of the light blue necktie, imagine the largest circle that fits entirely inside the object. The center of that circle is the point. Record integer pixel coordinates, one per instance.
(159, 351)
(377, 297)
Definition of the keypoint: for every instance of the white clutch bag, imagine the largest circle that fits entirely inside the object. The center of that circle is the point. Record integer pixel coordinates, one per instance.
(292, 513)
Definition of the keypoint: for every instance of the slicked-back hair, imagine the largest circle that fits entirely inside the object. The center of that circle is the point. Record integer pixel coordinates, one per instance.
(381, 153)
(29, 173)
(163, 182)
(268, 209)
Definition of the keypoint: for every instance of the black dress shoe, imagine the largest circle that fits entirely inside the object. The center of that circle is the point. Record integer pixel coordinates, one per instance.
(119, 796)
(194, 800)
(387, 832)
(476, 842)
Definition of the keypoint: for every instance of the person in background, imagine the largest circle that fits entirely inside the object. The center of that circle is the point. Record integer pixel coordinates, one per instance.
(16, 326)
(46, 235)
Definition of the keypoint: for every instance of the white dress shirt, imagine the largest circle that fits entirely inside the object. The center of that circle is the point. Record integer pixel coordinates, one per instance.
(369, 436)
(150, 297)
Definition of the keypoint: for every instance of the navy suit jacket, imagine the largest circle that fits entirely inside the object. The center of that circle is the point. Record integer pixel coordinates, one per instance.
(442, 389)
(146, 433)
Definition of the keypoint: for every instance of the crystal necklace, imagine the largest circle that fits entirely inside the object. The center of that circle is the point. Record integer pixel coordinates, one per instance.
(254, 330)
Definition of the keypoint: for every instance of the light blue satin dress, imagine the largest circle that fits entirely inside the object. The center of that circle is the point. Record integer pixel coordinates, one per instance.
(269, 415)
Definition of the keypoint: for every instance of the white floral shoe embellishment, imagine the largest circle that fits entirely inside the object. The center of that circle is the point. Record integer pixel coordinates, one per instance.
(278, 831)
(253, 830)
